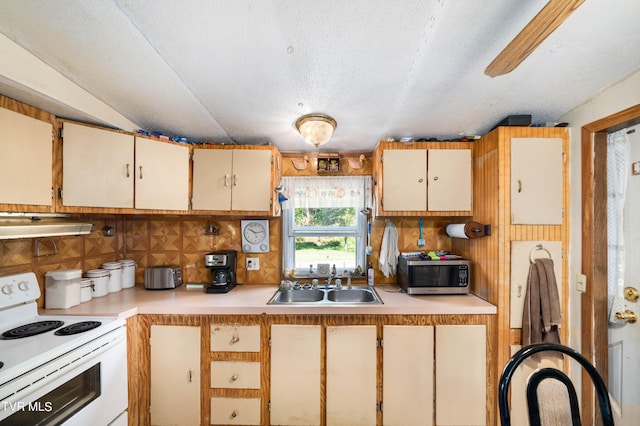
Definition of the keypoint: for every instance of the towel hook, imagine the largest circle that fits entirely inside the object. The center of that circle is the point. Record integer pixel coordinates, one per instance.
(536, 248)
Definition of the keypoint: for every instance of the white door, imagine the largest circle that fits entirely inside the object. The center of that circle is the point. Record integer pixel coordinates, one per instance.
(162, 175)
(212, 179)
(97, 167)
(296, 370)
(536, 181)
(624, 338)
(404, 180)
(26, 145)
(449, 184)
(175, 375)
(251, 180)
(351, 375)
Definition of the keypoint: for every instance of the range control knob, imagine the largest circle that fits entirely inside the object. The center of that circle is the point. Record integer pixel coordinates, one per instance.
(7, 289)
(23, 285)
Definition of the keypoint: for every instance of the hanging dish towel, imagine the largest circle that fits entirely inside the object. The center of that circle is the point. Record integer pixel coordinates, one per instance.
(389, 252)
(542, 314)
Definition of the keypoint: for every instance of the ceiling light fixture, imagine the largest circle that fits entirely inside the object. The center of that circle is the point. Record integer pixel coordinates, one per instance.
(316, 129)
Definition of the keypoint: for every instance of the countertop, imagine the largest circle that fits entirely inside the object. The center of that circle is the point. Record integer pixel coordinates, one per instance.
(252, 300)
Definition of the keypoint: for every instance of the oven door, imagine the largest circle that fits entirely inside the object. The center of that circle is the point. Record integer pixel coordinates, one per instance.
(91, 392)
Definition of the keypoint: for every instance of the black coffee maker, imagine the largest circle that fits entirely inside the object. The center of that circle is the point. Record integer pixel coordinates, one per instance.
(223, 270)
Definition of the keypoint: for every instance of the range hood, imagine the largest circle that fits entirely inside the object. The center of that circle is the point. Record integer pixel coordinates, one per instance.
(32, 225)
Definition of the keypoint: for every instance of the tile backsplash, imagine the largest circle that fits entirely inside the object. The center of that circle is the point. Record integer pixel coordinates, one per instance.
(162, 240)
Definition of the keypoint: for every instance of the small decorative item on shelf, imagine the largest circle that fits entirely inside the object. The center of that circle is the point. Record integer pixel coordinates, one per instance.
(356, 163)
(301, 164)
(329, 164)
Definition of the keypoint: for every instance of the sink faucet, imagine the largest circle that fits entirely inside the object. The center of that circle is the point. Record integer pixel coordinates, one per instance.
(328, 283)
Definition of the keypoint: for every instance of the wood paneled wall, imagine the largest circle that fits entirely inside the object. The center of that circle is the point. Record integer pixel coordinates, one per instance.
(491, 256)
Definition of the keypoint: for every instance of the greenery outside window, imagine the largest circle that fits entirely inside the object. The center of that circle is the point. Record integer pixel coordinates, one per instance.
(323, 223)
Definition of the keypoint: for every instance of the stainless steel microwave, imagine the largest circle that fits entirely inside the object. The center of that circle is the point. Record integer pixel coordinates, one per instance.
(417, 275)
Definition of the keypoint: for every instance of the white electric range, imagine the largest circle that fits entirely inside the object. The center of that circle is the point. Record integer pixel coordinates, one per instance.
(58, 369)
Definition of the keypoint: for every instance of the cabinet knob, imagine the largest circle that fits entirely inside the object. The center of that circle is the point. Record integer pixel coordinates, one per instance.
(234, 414)
(519, 186)
(140, 172)
(235, 179)
(234, 339)
(234, 378)
(226, 180)
(190, 375)
(435, 178)
(420, 180)
(128, 174)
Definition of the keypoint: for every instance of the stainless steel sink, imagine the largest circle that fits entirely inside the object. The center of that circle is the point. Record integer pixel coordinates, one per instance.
(356, 295)
(351, 296)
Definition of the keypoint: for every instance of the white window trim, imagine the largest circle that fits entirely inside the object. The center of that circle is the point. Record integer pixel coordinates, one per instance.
(289, 233)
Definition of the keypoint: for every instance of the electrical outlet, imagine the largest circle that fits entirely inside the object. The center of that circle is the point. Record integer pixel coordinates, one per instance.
(253, 263)
(581, 283)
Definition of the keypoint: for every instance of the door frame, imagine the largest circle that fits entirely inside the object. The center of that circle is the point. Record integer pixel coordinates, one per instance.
(594, 316)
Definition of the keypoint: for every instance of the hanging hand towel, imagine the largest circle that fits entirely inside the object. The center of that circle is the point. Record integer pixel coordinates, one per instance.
(388, 260)
(542, 314)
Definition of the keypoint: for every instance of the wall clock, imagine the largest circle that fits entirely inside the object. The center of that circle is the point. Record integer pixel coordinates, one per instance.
(255, 236)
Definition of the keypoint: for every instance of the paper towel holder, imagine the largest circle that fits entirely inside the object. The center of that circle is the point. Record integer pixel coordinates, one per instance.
(471, 229)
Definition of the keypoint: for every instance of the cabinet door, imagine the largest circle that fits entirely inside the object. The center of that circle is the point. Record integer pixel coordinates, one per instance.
(461, 375)
(175, 375)
(251, 180)
(449, 184)
(536, 181)
(295, 374)
(521, 254)
(26, 160)
(407, 387)
(97, 167)
(212, 169)
(404, 180)
(351, 375)
(162, 175)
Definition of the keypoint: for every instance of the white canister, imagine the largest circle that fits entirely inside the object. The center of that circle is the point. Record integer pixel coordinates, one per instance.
(115, 275)
(86, 289)
(62, 288)
(128, 272)
(100, 278)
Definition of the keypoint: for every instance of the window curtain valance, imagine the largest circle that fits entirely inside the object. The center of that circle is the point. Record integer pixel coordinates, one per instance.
(327, 191)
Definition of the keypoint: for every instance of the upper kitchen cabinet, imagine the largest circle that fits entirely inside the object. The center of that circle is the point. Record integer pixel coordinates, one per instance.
(536, 181)
(26, 141)
(423, 179)
(113, 170)
(162, 175)
(232, 180)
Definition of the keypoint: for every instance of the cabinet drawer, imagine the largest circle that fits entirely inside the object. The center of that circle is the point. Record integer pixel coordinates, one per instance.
(235, 338)
(235, 411)
(235, 374)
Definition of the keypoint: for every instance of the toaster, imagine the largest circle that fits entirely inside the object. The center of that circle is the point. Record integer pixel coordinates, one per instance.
(162, 277)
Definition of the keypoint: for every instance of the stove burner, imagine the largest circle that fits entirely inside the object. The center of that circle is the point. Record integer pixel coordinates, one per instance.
(79, 327)
(31, 329)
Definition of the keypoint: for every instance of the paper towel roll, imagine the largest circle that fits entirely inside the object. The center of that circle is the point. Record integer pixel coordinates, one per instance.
(456, 230)
(467, 230)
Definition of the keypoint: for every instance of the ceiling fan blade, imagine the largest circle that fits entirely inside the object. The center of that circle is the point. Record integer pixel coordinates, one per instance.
(541, 26)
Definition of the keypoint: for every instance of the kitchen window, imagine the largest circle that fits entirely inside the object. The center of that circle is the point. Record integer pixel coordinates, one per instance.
(323, 223)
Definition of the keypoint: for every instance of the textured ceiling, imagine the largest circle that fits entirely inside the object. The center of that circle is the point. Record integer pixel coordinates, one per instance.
(243, 71)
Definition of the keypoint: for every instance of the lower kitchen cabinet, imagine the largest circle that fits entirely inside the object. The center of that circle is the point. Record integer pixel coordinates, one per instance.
(175, 375)
(351, 375)
(319, 370)
(407, 375)
(296, 372)
(461, 375)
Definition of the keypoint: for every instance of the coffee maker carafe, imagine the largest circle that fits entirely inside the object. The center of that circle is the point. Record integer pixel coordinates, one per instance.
(223, 270)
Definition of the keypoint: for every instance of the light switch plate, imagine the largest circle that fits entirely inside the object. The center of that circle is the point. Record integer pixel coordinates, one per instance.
(581, 283)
